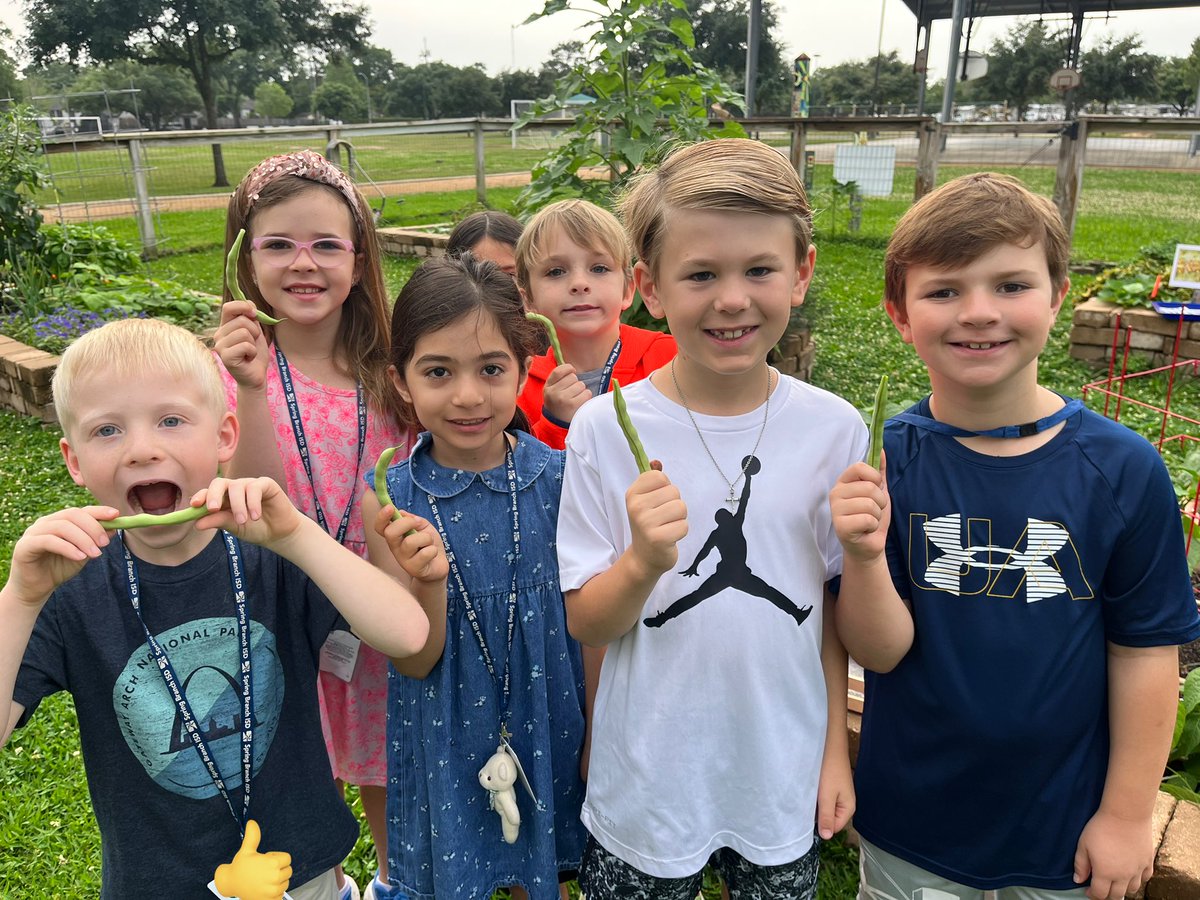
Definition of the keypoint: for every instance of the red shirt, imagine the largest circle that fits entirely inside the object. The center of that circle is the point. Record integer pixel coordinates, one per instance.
(642, 351)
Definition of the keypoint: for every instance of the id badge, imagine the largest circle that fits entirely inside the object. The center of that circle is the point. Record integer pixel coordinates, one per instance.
(339, 654)
(212, 886)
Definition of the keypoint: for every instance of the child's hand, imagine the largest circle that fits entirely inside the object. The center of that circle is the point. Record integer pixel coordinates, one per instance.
(861, 510)
(54, 548)
(252, 875)
(1117, 854)
(255, 509)
(835, 795)
(564, 393)
(241, 344)
(658, 518)
(415, 543)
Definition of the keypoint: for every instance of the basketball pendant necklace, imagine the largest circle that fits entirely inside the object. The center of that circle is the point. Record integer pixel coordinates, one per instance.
(731, 499)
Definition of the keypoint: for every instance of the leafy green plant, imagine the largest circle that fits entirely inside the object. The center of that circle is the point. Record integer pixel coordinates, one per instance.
(645, 90)
(848, 192)
(1128, 290)
(90, 287)
(67, 244)
(1183, 766)
(21, 175)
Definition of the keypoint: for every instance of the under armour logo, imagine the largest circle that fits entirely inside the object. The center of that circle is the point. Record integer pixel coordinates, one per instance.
(1037, 565)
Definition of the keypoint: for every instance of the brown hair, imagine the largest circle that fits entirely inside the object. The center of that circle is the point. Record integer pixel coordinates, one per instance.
(586, 224)
(500, 227)
(363, 331)
(965, 218)
(726, 174)
(446, 289)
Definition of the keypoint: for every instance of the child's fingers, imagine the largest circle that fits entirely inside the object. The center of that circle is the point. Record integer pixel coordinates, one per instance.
(561, 373)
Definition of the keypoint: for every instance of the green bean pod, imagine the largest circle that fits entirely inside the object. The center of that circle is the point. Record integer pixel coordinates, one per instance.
(381, 490)
(231, 278)
(146, 520)
(878, 415)
(631, 435)
(552, 331)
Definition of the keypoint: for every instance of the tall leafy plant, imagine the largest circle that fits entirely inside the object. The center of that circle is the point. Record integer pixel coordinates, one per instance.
(645, 89)
(21, 175)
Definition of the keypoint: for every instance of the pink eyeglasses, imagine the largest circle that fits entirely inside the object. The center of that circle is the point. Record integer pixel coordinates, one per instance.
(278, 251)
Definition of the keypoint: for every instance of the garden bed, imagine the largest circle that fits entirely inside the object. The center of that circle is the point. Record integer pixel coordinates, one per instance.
(1092, 333)
(25, 374)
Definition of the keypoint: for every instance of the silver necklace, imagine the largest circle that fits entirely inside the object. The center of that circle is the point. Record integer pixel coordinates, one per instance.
(731, 499)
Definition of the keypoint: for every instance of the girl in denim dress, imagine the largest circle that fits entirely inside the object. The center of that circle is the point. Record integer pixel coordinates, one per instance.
(472, 530)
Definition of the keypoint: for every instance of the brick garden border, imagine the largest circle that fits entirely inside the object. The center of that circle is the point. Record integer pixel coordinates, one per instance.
(25, 374)
(1092, 334)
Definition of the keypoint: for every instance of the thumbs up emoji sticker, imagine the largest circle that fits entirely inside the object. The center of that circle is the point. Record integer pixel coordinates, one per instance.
(252, 875)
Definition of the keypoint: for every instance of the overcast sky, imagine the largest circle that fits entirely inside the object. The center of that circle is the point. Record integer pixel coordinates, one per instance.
(462, 32)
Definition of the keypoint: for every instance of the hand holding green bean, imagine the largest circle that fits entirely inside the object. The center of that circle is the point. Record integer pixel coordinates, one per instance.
(552, 331)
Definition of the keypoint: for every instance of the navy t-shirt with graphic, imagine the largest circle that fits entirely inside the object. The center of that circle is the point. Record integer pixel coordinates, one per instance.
(984, 752)
(164, 827)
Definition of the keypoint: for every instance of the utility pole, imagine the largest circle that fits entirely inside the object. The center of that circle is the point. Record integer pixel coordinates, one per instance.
(753, 30)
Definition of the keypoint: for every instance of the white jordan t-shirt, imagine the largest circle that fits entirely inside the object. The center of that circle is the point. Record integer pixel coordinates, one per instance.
(710, 721)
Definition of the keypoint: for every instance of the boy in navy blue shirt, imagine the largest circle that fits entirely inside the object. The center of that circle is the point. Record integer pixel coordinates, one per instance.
(1015, 585)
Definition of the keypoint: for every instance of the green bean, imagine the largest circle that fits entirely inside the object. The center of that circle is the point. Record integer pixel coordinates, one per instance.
(381, 489)
(146, 520)
(552, 331)
(878, 415)
(631, 435)
(231, 278)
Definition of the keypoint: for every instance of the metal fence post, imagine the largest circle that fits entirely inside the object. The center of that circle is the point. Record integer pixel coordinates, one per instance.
(480, 169)
(929, 142)
(1068, 179)
(145, 218)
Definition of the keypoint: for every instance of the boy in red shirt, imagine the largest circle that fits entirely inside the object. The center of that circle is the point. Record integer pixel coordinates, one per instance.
(573, 266)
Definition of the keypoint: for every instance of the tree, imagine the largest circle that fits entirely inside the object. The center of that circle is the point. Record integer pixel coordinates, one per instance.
(335, 100)
(1179, 78)
(163, 93)
(865, 83)
(437, 90)
(647, 89)
(10, 85)
(1020, 63)
(721, 28)
(1117, 71)
(195, 36)
(272, 101)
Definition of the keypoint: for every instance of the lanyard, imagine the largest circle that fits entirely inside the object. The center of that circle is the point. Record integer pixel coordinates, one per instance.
(237, 579)
(293, 405)
(606, 372)
(472, 614)
(1007, 431)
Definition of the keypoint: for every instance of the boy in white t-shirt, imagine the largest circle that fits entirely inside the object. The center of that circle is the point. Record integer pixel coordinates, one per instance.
(719, 730)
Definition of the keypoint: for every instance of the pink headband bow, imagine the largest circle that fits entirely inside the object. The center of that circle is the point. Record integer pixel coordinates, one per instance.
(308, 165)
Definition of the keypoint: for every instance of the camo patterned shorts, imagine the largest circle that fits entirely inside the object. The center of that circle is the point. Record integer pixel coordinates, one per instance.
(603, 876)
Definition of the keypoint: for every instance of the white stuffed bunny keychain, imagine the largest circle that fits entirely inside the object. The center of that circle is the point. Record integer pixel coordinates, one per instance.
(498, 775)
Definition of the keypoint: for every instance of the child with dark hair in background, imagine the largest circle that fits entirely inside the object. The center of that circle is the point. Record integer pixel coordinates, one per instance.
(500, 679)
(317, 410)
(487, 235)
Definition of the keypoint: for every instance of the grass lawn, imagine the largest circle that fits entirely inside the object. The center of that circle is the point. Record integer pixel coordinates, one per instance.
(50, 840)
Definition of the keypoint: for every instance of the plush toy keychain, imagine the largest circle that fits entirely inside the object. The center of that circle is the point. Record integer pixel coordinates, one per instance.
(498, 775)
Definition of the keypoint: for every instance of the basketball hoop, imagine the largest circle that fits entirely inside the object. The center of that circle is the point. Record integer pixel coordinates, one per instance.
(1065, 80)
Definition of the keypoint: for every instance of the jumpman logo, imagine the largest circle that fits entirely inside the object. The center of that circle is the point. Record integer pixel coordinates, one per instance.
(729, 541)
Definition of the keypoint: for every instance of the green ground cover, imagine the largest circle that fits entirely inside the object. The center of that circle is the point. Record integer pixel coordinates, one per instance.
(46, 827)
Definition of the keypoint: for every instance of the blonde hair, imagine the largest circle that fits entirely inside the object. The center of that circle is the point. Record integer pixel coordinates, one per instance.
(726, 174)
(136, 350)
(963, 219)
(586, 224)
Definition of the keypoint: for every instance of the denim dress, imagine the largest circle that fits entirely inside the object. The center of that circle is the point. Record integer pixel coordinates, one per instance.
(444, 840)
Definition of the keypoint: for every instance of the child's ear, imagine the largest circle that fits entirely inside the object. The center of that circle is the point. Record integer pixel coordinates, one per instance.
(646, 284)
(359, 265)
(228, 432)
(526, 300)
(71, 458)
(804, 275)
(899, 318)
(1059, 297)
(399, 384)
(524, 375)
(630, 290)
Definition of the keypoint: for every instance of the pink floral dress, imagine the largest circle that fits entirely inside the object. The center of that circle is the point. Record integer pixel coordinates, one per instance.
(354, 713)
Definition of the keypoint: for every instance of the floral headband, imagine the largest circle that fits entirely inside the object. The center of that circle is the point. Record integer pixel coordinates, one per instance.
(308, 165)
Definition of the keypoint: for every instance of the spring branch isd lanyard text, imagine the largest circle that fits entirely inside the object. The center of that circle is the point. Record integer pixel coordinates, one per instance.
(293, 405)
(1007, 431)
(237, 579)
(502, 682)
(606, 372)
